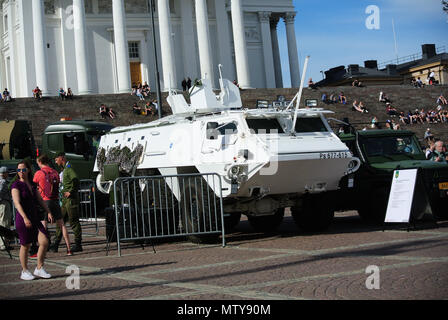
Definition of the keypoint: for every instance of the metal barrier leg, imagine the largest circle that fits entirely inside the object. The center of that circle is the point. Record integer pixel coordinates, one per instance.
(6, 246)
(108, 240)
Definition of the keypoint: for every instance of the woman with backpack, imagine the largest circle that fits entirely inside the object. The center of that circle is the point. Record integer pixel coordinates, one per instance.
(47, 180)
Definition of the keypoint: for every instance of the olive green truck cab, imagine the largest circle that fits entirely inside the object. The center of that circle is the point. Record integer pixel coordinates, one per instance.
(79, 139)
(381, 153)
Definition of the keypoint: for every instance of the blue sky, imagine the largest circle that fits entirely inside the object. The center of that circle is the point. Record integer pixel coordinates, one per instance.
(334, 33)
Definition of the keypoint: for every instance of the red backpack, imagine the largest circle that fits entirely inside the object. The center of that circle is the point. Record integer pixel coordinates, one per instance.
(51, 186)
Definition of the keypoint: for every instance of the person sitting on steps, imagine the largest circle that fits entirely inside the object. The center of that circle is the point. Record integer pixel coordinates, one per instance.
(37, 93)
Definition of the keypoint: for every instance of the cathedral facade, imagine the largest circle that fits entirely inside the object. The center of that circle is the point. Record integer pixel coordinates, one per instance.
(106, 46)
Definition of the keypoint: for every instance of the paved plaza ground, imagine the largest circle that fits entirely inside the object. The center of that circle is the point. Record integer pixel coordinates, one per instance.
(285, 265)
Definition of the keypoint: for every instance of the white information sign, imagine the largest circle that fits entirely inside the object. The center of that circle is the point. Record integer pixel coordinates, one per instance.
(401, 195)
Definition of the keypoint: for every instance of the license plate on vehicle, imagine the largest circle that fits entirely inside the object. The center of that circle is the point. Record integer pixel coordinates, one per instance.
(333, 155)
(443, 185)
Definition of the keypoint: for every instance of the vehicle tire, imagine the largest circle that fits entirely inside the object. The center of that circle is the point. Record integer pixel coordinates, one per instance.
(374, 207)
(315, 214)
(231, 221)
(195, 208)
(267, 223)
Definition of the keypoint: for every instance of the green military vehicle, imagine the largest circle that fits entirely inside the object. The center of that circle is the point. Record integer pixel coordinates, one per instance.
(381, 153)
(79, 139)
(16, 143)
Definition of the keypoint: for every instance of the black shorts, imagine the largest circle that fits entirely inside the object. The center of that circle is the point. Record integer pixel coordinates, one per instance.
(55, 209)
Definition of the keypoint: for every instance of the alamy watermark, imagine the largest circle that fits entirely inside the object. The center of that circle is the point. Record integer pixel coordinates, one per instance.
(373, 281)
(73, 282)
(373, 20)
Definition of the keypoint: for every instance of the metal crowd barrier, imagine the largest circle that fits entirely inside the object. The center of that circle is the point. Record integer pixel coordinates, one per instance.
(146, 208)
(87, 205)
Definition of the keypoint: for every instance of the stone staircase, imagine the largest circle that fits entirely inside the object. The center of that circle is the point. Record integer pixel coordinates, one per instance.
(404, 98)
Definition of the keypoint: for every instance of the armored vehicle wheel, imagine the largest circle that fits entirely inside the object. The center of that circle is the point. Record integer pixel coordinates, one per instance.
(198, 208)
(373, 208)
(231, 221)
(315, 214)
(267, 223)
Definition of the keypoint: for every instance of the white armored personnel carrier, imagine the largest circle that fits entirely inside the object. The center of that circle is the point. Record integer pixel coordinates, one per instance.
(268, 159)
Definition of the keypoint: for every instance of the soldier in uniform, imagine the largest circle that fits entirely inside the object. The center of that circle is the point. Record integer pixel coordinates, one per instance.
(70, 203)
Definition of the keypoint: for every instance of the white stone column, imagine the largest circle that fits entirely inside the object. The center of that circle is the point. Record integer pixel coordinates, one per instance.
(145, 57)
(239, 40)
(12, 48)
(225, 46)
(40, 54)
(121, 47)
(2, 59)
(188, 41)
(166, 45)
(82, 61)
(25, 51)
(267, 48)
(276, 53)
(292, 49)
(205, 56)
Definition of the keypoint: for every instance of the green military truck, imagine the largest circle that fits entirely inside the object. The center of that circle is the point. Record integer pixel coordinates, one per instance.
(381, 153)
(79, 139)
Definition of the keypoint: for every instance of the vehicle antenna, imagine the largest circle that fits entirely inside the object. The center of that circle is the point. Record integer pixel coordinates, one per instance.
(300, 95)
(156, 65)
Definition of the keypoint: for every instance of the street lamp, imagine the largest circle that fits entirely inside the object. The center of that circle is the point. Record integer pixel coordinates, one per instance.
(156, 66)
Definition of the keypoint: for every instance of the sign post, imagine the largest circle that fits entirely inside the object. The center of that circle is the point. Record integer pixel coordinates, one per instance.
(401, 196)
(407, 198)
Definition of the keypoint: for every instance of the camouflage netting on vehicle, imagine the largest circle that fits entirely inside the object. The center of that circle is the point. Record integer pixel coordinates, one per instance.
(126, 158)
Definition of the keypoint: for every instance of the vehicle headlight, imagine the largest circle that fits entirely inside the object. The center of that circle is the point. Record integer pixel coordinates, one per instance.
(233, 172)
(353, 165)
(237, 172)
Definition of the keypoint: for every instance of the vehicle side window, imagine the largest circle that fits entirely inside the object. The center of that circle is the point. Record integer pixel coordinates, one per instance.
(214, 129)
(53, 140)
(229, 128)
(264, 126)
(76, 143)
(304, 125)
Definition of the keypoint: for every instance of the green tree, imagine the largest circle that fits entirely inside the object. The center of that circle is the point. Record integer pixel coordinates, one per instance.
(445, 6)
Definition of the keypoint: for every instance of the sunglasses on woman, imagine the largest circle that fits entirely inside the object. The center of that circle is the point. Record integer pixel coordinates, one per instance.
(22, 170)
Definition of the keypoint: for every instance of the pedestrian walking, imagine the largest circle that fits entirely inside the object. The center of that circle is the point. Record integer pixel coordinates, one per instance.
(47, 181)
(28, 224)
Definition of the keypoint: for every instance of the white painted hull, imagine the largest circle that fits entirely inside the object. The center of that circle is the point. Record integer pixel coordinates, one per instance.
(304, 173)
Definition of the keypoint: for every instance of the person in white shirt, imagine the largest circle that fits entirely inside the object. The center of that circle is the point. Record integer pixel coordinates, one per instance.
(432, 78)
